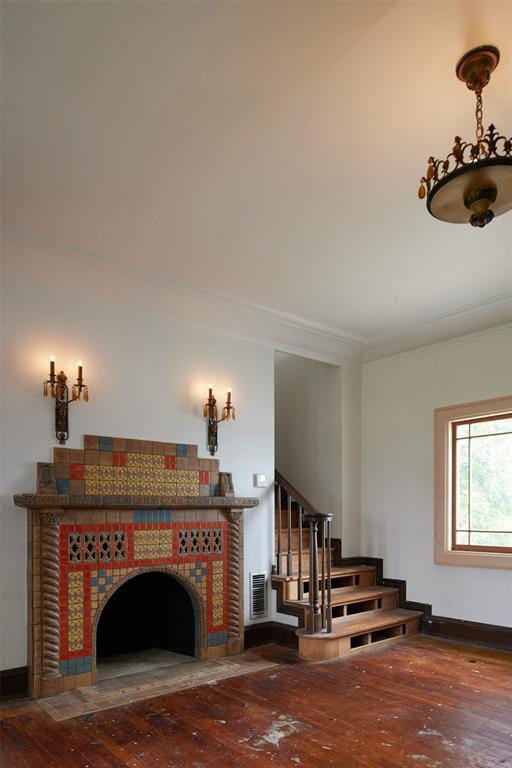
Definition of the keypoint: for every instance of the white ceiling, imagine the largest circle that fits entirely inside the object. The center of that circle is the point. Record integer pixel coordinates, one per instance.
(266, 151)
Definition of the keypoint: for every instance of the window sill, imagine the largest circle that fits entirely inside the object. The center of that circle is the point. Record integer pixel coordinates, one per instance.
(501, 560)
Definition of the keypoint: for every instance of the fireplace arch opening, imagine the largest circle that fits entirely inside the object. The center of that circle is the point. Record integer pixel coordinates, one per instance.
(152, 610)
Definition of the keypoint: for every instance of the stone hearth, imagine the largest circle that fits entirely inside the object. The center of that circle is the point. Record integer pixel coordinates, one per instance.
(108, 513)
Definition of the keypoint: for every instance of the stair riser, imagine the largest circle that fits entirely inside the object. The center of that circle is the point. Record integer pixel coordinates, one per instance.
(295, 539)
(295, 563)
(365, 579)
(314, 648)
(388, 602)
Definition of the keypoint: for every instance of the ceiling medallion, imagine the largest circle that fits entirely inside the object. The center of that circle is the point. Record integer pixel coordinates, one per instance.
(474, 183)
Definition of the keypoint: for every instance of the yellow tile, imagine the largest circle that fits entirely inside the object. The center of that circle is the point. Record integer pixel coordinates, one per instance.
(92, 487)
(133, 459)
(75, 578)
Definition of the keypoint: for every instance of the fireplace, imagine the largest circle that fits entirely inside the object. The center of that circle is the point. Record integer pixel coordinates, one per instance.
(153, 609)
(127, 533)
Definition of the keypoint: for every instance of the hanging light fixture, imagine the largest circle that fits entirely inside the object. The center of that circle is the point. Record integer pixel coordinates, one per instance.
(474, 183)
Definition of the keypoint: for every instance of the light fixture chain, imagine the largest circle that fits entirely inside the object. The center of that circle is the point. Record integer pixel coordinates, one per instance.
(479, 119)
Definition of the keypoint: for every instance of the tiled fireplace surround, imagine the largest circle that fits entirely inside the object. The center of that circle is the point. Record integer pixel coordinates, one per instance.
(105, 514)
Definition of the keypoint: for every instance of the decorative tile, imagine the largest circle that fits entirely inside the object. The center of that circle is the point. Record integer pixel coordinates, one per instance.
(133, 459)
(119, 459)
(77, 471)
(91, 442)
(155, 544)
(92, 487)
(92, 472)
(62, 469)
(75, 601)
(105, 549)
(217, 638)
(218, 592)
(62, 485)
(74, 549)
(105, 443)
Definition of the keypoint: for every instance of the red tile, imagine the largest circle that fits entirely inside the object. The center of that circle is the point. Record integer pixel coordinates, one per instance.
(170, 462)
(119, 459)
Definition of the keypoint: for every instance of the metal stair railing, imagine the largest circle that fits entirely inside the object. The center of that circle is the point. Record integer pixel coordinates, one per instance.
(319, 593)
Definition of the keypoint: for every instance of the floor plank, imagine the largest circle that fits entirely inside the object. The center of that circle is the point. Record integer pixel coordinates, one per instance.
(413, 703)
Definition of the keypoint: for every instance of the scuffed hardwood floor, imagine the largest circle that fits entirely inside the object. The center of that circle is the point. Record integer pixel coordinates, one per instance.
(415, 703)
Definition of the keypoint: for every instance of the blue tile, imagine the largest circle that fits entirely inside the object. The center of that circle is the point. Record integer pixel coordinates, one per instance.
(62, 485)
(94, 581)
(106, 443)
(214, 489)
(181, 449)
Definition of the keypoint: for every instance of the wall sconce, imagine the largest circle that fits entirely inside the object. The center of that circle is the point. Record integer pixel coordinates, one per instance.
(210, 413)
(57, 388)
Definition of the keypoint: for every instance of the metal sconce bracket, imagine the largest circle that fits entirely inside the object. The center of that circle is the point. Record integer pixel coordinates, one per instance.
(55, 386)
(210, 413)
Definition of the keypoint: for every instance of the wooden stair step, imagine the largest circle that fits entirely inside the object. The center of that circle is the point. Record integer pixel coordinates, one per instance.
(336, 572)
(345, 595)
(348, 626)
(359, 631)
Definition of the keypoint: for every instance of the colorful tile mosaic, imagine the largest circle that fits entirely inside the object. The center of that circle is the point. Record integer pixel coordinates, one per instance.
(218, 592)
(152, 516)
(118, 466)
(152, 544)
(75, 611)
(217, 638)
(196, 541)
(95, 557)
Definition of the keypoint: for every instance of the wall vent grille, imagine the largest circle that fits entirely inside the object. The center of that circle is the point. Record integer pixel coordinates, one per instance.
(258, 590)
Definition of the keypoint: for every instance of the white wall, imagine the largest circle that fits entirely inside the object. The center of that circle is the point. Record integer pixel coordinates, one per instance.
(148, 379)
(317, 437)
(308, 430)
(399, 395)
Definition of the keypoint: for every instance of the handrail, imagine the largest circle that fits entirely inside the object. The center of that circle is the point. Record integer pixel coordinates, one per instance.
(319, 593)
(289, 488)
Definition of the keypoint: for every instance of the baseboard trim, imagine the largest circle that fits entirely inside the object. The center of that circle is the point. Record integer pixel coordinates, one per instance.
(490, 635)
(270, 632)
(13, 682)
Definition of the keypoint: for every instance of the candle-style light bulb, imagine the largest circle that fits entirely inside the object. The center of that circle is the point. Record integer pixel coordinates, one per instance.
(52, 365)
(80, 368)
(229, 396)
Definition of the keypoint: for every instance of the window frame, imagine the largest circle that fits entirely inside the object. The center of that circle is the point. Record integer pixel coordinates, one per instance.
(446, 552)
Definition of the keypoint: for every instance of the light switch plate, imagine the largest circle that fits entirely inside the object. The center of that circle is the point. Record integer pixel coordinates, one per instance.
(260, 480)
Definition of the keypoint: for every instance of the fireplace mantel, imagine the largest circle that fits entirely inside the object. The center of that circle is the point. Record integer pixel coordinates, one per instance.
(110, 512)
(64, 501)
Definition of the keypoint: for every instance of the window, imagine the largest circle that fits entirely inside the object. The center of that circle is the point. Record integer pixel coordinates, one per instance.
(473, 484)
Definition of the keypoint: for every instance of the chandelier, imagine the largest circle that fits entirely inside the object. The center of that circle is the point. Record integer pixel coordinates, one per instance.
(474, 183)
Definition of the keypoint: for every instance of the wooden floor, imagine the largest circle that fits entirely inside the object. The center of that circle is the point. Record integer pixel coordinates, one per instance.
(415, 703)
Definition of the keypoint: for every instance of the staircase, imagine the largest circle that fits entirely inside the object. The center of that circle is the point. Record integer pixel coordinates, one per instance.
(339, 607)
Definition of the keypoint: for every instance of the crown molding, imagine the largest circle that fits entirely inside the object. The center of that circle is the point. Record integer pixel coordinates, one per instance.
(469, 319)
(36, 260)
(495, 330)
